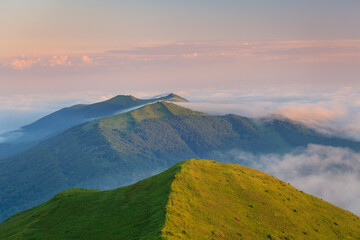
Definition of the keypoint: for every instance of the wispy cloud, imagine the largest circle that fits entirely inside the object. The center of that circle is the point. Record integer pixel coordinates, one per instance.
(297, 51)
(59, 60)
(46, 61)
(86, 59)
(24, 62)
(327, 172)
(333, 111)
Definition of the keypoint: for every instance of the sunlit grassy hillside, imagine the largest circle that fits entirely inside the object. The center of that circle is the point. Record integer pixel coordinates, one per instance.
(195, 199)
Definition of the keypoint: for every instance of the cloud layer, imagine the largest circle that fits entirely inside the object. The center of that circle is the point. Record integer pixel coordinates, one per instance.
(330, 173)
(297, 51)
(333, 111)
(178, 66)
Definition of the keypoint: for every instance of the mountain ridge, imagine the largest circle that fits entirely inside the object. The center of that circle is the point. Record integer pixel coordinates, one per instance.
(195, 199)
(65, 118)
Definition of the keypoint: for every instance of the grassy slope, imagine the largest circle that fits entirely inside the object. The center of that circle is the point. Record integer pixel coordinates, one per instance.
(133, 212)
(195, 199)
(211, 200)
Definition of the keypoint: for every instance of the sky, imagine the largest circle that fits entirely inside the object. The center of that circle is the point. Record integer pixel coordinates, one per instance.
(49, 46)
(58, 53)
(299, 59)
(45, 26)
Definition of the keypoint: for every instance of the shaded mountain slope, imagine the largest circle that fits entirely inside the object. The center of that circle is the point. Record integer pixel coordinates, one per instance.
(91, 214)
(119, 150)
(52, 124)
(195, 199)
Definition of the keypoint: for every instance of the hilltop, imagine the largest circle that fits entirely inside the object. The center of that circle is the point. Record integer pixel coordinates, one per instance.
(195, 199)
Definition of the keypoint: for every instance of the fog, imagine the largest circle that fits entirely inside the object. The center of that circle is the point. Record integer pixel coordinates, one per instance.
(330, 173)
(333, 111)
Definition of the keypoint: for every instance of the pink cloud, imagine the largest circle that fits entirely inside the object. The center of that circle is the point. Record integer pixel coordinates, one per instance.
(191, 55)
(314, 114)
(24, 63)
(86, 59)
(298, 51)
(182, 93)
(235, 52)
(59, 60)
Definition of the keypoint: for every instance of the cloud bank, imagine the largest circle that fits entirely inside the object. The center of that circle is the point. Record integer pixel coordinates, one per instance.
(172, 53)
(330, 173)
(233, 64)
(332, 111)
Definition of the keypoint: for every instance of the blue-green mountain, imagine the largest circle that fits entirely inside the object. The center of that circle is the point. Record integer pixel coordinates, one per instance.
(118, 150)
(55, 123)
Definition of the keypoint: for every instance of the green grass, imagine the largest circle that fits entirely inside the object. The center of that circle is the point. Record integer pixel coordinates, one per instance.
(211, 200)
(133, 212)
(195, 199)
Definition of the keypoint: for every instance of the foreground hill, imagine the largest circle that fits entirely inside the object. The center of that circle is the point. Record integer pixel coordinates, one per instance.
(50, 125)
(119, 150)
(195, 199)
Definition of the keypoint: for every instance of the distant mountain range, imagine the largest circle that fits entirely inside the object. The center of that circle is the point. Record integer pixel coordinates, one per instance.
(120, 149)
(50, 125)
(195, 199)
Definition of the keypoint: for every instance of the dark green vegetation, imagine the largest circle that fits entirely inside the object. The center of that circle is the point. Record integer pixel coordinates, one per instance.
(195, 199)
(115, 151)
(50, 125)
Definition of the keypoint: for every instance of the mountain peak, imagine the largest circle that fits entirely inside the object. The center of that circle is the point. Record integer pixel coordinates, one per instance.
(171, 97)
(122, 99)
(176, 98)
(129, 98)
